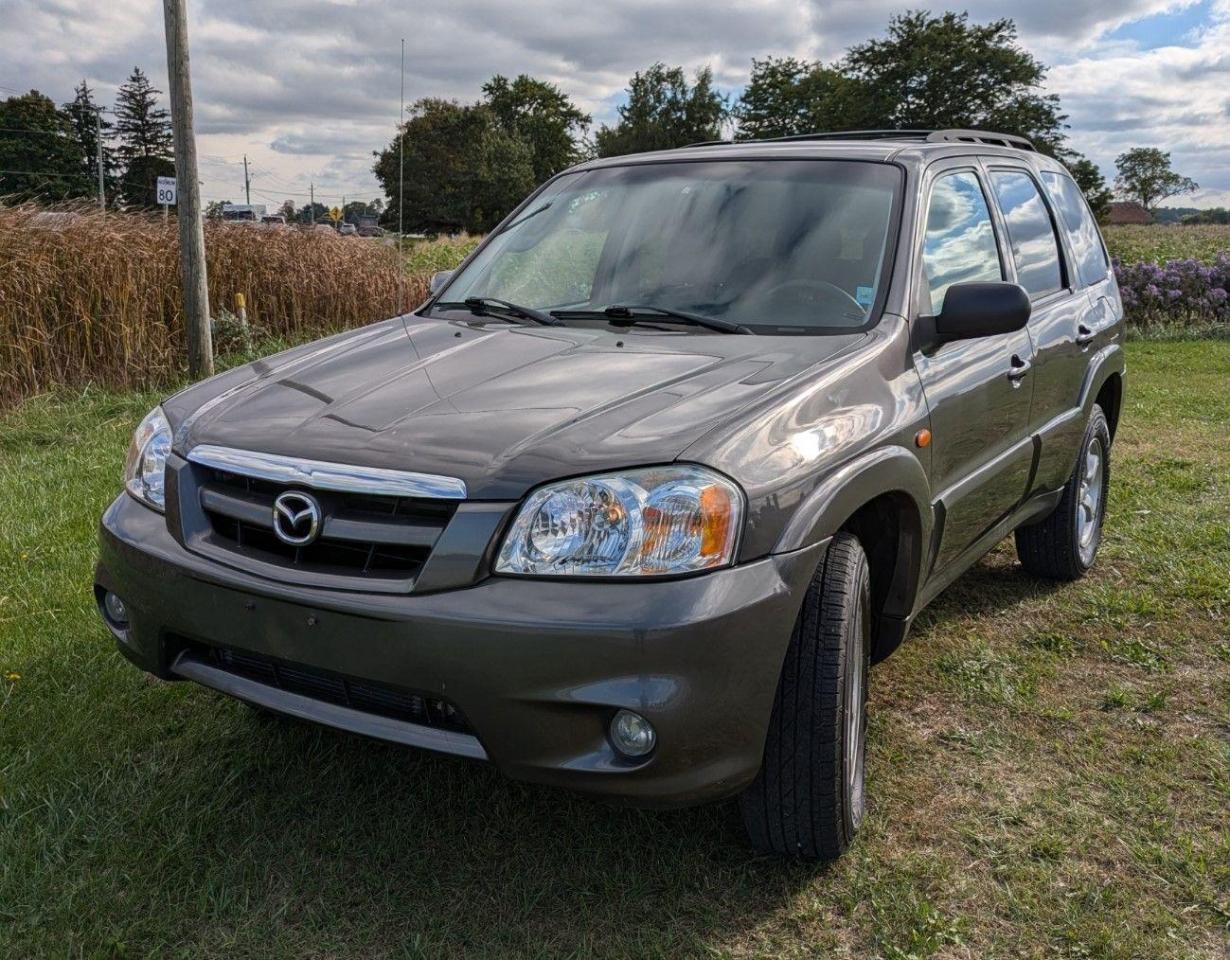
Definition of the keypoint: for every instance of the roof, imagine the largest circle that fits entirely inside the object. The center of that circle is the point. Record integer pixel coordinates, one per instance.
(919, 146)
(1127, 211)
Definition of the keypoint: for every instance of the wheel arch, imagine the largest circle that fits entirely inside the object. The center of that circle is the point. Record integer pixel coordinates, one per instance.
(883, 499)
(1104, 385)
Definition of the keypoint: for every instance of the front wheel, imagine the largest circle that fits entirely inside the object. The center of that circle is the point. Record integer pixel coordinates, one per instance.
(1065, 544)
(807, 801)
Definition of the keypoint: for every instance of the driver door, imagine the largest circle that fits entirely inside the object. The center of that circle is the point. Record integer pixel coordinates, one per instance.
(978, 390)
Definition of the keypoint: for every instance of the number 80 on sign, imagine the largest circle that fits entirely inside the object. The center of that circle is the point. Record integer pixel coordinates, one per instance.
(166, 191)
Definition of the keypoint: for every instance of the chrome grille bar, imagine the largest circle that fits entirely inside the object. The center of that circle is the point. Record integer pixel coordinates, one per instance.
(323, 475)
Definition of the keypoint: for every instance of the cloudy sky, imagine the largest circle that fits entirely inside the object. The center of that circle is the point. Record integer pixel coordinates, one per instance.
(308, 88)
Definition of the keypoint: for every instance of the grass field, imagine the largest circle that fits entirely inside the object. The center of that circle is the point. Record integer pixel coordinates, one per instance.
(1049, 765)
(1158, 243)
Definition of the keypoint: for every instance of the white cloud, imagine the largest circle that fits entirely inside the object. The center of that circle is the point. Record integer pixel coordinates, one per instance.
(308, 88)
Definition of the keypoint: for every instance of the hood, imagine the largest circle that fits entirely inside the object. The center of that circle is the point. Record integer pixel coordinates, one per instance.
(502, 407)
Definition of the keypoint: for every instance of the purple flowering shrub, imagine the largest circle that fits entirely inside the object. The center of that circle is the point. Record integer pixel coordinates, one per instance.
(1177, 293)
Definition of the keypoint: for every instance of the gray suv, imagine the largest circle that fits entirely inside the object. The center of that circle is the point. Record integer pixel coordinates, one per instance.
(633, 501)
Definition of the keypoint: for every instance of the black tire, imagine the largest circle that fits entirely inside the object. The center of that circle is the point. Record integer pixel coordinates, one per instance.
(1065, 544)
(807, 801)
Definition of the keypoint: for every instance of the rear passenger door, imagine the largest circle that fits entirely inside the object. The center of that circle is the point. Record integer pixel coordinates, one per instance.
(1060, 309)
(1091, 271)
(978, 390)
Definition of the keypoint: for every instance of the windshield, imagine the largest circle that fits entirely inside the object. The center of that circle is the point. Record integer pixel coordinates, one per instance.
(773, 245)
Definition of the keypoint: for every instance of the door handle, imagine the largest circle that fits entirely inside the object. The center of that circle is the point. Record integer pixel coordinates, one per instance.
(1084, 336)
(1018, 369)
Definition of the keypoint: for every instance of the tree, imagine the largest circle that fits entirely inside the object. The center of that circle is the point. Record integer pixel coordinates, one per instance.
(785, 97)
(145, 147)
(541, 115)
(663, 112)
(312, 213)
(1089, 178)
(39, 154)
(1218, 215)
(936, 72)
(87, 122)
(463, 170)
(359, 208)
(287, 210)
(1144, 175)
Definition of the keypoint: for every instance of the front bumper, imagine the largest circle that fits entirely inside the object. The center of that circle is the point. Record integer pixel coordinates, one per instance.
(537, 667)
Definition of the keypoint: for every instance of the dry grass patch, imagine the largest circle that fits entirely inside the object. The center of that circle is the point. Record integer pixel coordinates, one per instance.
(87, 299)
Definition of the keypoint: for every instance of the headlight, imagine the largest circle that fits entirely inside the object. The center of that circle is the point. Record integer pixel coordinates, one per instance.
(145, 467)
(661, 520)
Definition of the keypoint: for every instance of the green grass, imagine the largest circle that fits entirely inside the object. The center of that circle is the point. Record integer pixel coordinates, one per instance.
(1159, 243)
(442, 253)
(1049, 765)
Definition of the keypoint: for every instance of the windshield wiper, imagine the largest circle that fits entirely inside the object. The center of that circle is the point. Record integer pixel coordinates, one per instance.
(626, 315)
(502, 310)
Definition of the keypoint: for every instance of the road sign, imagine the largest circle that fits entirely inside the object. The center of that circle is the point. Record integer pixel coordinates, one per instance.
(335, 214)
(166, 191)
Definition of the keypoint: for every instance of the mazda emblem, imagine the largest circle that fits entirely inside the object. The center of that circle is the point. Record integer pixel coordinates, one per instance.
(296, 518)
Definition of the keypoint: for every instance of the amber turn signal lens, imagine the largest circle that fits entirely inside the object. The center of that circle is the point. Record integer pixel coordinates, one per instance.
(922, 438)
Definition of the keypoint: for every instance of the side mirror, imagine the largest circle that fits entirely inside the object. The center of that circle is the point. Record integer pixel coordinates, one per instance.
(981, 310)
(438, 280)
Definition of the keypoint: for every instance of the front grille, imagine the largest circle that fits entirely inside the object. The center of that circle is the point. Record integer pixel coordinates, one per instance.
(376, 698)
(378, 539)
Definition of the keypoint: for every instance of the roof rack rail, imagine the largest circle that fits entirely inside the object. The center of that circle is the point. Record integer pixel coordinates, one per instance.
(981, 136)
(925, 136)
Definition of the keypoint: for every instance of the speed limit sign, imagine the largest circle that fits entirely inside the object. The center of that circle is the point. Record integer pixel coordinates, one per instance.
(166, 191)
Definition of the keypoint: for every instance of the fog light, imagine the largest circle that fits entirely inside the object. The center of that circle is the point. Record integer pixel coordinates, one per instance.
(116, 610)
(632, 734)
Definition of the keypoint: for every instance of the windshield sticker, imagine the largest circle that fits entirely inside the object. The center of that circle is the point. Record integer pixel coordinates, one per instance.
(864, 296)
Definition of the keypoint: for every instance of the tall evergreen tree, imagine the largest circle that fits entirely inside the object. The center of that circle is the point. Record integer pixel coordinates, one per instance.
(40, 158)
(87, 121)
(145, 149)
(664, 111)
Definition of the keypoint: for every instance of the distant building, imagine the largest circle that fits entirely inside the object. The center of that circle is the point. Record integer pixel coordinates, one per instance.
(1128, 211)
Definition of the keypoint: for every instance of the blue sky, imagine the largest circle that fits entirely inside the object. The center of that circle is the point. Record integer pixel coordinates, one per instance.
(308, 88)
(1168, 28)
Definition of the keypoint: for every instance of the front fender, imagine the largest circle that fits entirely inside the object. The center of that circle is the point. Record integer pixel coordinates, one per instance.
(842, 493)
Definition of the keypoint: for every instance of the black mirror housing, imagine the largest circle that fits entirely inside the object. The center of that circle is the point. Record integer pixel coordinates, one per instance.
(982, 310)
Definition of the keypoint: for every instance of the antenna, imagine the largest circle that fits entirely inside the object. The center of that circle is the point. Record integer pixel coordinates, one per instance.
(401, 186)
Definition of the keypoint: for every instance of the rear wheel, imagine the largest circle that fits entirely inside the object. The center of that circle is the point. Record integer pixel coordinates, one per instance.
(808, 799)
(1065, 544)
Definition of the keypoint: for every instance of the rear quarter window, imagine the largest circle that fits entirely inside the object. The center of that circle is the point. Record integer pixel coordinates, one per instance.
(1091, 261)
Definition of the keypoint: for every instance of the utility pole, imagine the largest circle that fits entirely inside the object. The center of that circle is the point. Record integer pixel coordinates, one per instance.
(312, 204)
(191, 232)
(247, 184)
(102, 191)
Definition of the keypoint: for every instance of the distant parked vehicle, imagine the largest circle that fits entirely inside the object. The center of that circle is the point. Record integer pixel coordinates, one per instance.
(369, 227)
(274, 219)
(348, 230)
(243, 212)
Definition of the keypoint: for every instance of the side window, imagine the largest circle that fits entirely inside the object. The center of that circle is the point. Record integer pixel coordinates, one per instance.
(959, 246)
(1034, 247)
(1091, 260)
